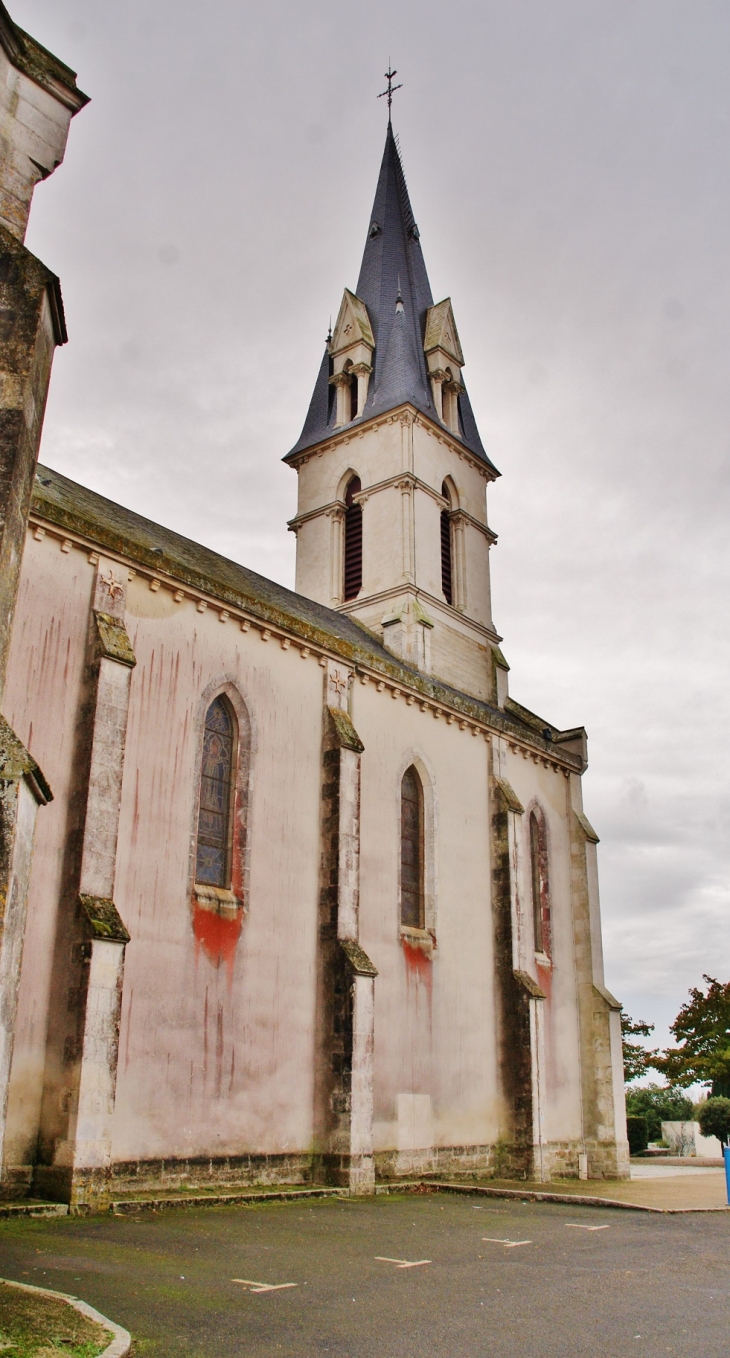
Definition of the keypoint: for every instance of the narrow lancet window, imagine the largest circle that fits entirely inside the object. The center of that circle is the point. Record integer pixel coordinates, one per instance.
(446, 568)
(411, 851)
(539, 886)
(353, 541)
(213, 857)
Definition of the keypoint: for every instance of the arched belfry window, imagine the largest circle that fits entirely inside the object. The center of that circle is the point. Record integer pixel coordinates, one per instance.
(217, 782)
(353, 541)
(411, 851)
(447, 583)
(539, 885)
(352, 397)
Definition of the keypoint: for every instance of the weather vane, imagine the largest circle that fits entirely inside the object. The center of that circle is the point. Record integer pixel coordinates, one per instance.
(389, 75)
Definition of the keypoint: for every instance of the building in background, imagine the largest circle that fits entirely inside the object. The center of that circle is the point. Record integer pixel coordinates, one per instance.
(315, 899)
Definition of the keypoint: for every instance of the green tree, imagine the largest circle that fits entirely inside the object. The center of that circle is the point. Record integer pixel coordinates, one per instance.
(702, 1027)
(714, 1119)
(658, 1104)
(637, 1060)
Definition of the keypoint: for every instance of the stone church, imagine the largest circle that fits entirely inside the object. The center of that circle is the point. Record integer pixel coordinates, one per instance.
(293, 889)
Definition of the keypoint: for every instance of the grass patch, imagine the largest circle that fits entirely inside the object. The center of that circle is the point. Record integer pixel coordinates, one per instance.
(32, 1326)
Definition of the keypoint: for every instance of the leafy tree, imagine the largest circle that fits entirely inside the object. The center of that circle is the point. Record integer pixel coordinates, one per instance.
(637, 1060)
(703, 1029)
(637, 1133)
(714, 1119)
(658, 1104)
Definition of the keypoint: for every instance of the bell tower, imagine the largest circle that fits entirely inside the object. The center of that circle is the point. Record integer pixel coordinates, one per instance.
(392, 511)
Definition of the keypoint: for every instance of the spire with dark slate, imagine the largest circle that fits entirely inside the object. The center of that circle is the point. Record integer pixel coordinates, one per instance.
(394, 286)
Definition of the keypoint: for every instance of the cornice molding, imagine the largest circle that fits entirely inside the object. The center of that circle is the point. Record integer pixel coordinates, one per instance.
(357, 428)
(413, 686)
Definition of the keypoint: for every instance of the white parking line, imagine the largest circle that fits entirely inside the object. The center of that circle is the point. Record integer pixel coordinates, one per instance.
(578, 1226)
(263, 1287)
(403, 1263)
(508, 1244)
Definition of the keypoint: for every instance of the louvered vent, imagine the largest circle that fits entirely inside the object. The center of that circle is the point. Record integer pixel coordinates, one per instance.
(353, 541)
(446, 583)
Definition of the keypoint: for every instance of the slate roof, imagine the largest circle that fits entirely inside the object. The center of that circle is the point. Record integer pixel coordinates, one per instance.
(76, 510)
(392, 262)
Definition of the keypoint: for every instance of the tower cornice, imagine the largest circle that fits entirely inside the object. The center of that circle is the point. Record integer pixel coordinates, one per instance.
(403, 414)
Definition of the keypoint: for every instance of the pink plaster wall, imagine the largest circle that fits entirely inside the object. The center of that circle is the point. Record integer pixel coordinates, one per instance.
(45, 673)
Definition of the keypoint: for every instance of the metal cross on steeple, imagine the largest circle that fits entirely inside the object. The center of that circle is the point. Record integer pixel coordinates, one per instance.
(391, 88)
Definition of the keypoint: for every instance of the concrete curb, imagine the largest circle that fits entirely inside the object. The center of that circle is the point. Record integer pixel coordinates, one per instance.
(122, 1341)
(131, 1206)
(573, 1199)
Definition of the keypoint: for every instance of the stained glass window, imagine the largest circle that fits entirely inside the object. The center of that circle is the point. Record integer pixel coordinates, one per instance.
(411, 850)
(216, 777)
(540, 923)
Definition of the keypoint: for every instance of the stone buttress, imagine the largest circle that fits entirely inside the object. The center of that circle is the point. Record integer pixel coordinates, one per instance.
(38, 98)
(343, 1114)
(75, 1143)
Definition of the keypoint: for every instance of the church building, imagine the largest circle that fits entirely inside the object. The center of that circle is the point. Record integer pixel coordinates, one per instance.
(311, 898)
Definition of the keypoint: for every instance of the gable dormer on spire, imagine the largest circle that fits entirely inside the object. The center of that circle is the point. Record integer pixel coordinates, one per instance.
(445, 360)
(351, 351)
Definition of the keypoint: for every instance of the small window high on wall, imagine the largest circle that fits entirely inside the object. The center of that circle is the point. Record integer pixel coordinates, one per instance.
(446, 564)
(217, 778)
(411, 851)
(353, 541)
(540, 898)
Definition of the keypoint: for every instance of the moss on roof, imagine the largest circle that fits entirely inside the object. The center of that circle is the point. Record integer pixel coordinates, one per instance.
(35, 61)
(80, 511)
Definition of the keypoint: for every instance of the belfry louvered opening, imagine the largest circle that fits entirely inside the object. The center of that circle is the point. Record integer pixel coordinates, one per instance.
(353, 541)
(446, 564)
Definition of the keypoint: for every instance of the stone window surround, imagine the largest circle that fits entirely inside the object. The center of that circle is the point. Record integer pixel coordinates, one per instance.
(425, 938)
(221, 900)
(544, 955)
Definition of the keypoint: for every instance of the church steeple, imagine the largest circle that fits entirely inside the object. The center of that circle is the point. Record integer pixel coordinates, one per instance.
(392, 523)
(392, 265)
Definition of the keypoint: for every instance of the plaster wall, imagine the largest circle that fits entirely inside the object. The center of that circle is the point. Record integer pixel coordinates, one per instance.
(217, 1032)
(217, 1037)
(536, 784)
(42, 695)
(434, 1026)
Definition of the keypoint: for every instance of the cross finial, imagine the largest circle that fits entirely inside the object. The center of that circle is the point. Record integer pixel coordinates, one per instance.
(389, 75)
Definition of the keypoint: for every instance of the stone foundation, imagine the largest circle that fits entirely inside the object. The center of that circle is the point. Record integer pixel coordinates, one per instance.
(93, 1189)
(90, 1190)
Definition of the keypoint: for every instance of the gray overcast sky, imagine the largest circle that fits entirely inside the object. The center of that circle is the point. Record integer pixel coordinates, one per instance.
(569, 167)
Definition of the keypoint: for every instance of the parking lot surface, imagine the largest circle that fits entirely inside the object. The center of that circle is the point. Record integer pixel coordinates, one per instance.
(421, 1276)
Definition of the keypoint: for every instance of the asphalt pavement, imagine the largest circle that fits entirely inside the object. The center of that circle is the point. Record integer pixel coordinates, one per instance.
(408, 1276)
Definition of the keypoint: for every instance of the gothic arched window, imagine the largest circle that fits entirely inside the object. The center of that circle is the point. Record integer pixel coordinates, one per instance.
(411, 851)
(539, 882)
(217, 782)
(446, 561)
(353, 541)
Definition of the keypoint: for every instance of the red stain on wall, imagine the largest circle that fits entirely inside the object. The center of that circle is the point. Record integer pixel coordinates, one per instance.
(545, 979)
(217, 936)
(419, 966)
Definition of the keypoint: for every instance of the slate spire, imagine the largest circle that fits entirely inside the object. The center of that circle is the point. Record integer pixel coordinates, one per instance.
(394, 286)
